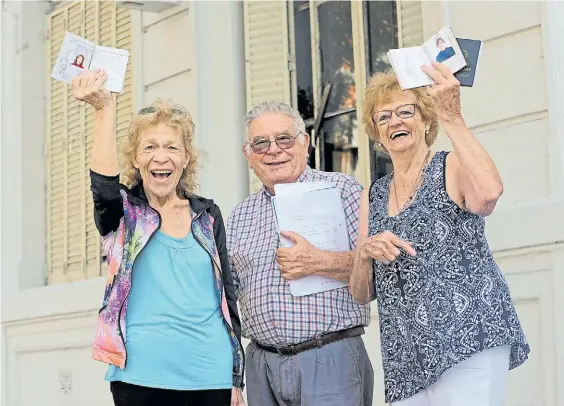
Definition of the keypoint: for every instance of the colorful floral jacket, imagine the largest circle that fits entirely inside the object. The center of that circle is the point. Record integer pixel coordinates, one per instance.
(127, 222)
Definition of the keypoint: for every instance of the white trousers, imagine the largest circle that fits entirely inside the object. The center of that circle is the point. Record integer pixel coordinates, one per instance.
(478, 381)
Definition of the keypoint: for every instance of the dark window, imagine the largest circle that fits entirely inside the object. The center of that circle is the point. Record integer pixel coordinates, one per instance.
(382, 33)
(338, 132)
(381, 36)
(338, 129)
(336, 54)
(304, 76)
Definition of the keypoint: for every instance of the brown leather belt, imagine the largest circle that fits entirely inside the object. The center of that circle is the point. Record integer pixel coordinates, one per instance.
(317, 342)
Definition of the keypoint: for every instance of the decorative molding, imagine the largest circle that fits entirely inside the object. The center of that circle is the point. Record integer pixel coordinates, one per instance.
(32, 337)
(525, 252)
(65, 378)
(536, 288)
(60, 300)
(530, 224)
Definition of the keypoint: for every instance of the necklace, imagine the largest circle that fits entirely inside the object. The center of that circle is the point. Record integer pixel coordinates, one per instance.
(415, 187)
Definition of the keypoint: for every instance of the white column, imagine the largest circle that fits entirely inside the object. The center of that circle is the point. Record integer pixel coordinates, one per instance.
(446, 12)
(220, 100)
(10, 164)
(553, 32)
(22, 140)
(33, 118)
(23, 143)
(3, 346)
(11, 156)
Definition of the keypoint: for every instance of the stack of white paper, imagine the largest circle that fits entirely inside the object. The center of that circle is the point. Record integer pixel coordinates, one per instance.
(77, 55)
(315, 211)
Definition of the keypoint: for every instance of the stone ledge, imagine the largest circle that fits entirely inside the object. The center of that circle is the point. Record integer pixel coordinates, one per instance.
(54, 300)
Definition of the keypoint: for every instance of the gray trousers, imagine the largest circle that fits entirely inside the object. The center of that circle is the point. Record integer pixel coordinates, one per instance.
(337, 374)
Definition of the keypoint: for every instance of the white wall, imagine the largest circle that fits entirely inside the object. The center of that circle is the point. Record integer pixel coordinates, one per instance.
(48, 331)
(516, 110)
(510, 110)
(23, 141)
(194, 54)
(23, 182)
(220, 78)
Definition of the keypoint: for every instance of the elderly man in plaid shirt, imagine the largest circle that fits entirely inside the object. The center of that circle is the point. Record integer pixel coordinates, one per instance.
(307, 350)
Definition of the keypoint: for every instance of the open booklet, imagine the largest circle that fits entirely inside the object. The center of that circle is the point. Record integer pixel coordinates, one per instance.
(441, 47)
(78, 54)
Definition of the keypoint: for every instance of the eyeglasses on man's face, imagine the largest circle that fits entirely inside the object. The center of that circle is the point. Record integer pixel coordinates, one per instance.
(384, 116)
(261, 145)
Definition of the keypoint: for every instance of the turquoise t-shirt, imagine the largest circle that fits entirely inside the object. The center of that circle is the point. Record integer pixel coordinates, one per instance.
(175, 334)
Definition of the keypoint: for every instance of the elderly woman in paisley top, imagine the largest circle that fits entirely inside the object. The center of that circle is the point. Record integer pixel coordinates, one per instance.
(448, 328)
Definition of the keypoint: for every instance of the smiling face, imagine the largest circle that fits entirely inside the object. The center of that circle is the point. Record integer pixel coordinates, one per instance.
(401, 133)
(277, 165)
(161, 158)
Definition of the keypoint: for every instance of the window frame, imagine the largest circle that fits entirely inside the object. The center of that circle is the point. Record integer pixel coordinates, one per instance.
(367, 160)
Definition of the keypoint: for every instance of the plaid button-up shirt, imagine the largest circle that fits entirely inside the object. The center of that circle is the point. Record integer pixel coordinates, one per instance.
(269, 313)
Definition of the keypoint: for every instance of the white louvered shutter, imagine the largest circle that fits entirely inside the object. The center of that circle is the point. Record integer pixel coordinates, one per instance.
(410, 23)
(267, 57)
(92, 242)
(75, 194)
(56, 156)
(74, 250)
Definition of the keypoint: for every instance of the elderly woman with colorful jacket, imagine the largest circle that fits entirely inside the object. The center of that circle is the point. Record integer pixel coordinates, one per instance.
(168, 326)
(449, 331)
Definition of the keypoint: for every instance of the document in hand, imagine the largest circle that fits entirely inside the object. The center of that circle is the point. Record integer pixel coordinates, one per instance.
(441, 47)
(471, 50)
(77, 54)
(315, 211)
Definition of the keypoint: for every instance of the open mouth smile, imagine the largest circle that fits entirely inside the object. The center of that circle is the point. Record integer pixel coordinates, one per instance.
(399, 134)
(161, 174)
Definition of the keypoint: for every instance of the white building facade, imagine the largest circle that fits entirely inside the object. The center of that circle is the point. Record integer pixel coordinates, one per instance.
(218, 59)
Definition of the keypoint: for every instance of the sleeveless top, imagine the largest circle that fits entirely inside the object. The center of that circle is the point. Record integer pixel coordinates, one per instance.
(446, 304)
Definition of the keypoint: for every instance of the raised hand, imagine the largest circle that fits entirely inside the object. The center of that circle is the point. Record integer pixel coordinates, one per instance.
(445, 93)
(384, 247)
(89, 88)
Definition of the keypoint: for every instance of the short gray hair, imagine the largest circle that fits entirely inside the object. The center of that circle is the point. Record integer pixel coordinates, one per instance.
(273, 107)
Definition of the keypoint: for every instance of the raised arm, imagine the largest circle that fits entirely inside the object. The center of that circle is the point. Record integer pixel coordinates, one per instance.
(89, 88)
(473, 181)
(108, 208)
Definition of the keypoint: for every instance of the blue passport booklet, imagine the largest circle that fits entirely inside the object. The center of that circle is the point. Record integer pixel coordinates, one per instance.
(471, 50)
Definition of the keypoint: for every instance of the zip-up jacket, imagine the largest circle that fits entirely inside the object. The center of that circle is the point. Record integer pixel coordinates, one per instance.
(126, 223)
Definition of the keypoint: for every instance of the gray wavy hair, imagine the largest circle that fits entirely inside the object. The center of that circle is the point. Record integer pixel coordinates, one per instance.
(273, 107)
